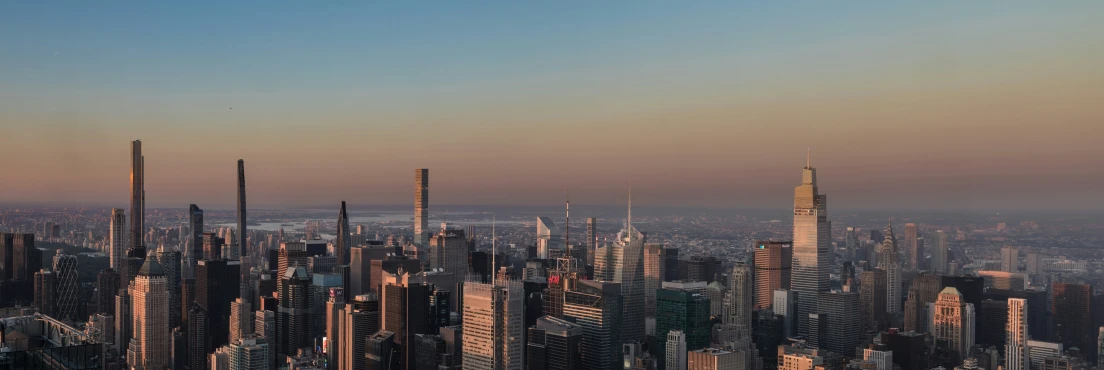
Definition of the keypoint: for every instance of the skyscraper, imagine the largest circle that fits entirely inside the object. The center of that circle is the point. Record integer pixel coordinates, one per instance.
(773, 265)
(887, 260)
(592, 239)
(217, 285)
(554, 344)
(548, 237)
(448, 250)
(117, 238)
(335, 326)
(107, 285)
(1010, 259)
(653, 275)
(292, 320)
(685, 311)
(623, 262)
(342, 241)
(421, 205)
(740, 299)
(198, 337)
(912, 247)
(563, 277)
(45, 292)
(243, 233)
(597, 307)
(811, 242)
(150, 346)
(872, 300)
(65, 268)
(241, 320)
(292, 254)
(493, 324)
(362, 318)
(843, 323)
(264, 326)
(675, 351)
(249, 354)
(137, 195)
(1072, 311)
(953, 322)
(1016, 334)
(195, 225)
(940, 253)
(170, 266)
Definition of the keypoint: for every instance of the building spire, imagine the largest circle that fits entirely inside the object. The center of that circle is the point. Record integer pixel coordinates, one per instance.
(629, 223)
(808, 158)
(567, 219)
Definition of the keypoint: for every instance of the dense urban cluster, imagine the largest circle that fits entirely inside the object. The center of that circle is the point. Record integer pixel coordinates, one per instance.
(138, 288)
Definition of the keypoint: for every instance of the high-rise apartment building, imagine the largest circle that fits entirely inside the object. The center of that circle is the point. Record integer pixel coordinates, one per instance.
(65, 269)
(554, 344)
(137, 194)
(292, 321)
(548, 237)
(773, 266)
(150, 343)
(888, 261)
(245, 253)
(199, 327)
(493, 324)
(953, 321)
(940, 253)
(872, 300)
(1015, 347)
(912, 247)
(811, 243)
(117, 238)
(45, 292)
(675, 351)
(342, 242)
(421, 205)
(597, 307)
(623, 263)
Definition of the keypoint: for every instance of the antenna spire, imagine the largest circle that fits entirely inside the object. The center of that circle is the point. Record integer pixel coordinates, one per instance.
(630, 212)
(808, 158)
(567, 219)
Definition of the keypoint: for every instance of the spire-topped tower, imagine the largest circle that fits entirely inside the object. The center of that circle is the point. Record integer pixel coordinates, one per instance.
(888, 261)
(811, 245)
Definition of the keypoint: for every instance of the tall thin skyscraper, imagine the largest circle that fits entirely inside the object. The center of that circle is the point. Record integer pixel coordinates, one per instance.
(195, 223)
(940, 253)
(887, 258)
(151, 343)
(494, 319)
(118, 238)
(342, 241)
(912, 246)
(65, 268)
(872, 300)
(241, 320)
(421, 205)
(773, 266)
(243, 231)
(292, 320)
(623, 262)
(1016, 336)
(811, 243)
(137, 195)
(592, 239)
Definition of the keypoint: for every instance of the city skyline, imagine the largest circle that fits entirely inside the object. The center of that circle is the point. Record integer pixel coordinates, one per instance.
(942, 110)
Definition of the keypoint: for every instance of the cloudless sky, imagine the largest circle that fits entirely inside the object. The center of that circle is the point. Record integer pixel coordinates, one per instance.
(943, 104)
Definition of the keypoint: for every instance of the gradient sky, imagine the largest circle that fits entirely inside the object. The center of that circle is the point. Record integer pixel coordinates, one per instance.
(930, 105)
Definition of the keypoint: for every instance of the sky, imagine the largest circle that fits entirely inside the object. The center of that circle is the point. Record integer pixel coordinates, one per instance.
(941, 105)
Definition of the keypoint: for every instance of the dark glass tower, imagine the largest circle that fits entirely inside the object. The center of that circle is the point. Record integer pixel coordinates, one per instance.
(217, 285)
(292, 320)
(554, 344)
(685, 311)
(342, 241)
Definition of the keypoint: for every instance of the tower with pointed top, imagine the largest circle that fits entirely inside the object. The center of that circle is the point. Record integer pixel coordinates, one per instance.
(623, 262)
(888, 256)
(343, 241)
(811, 243)
(150, 341)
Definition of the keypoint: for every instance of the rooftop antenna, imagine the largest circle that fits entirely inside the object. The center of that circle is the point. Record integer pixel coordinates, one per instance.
(567, 220)
(630, 213)
(808, 158)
